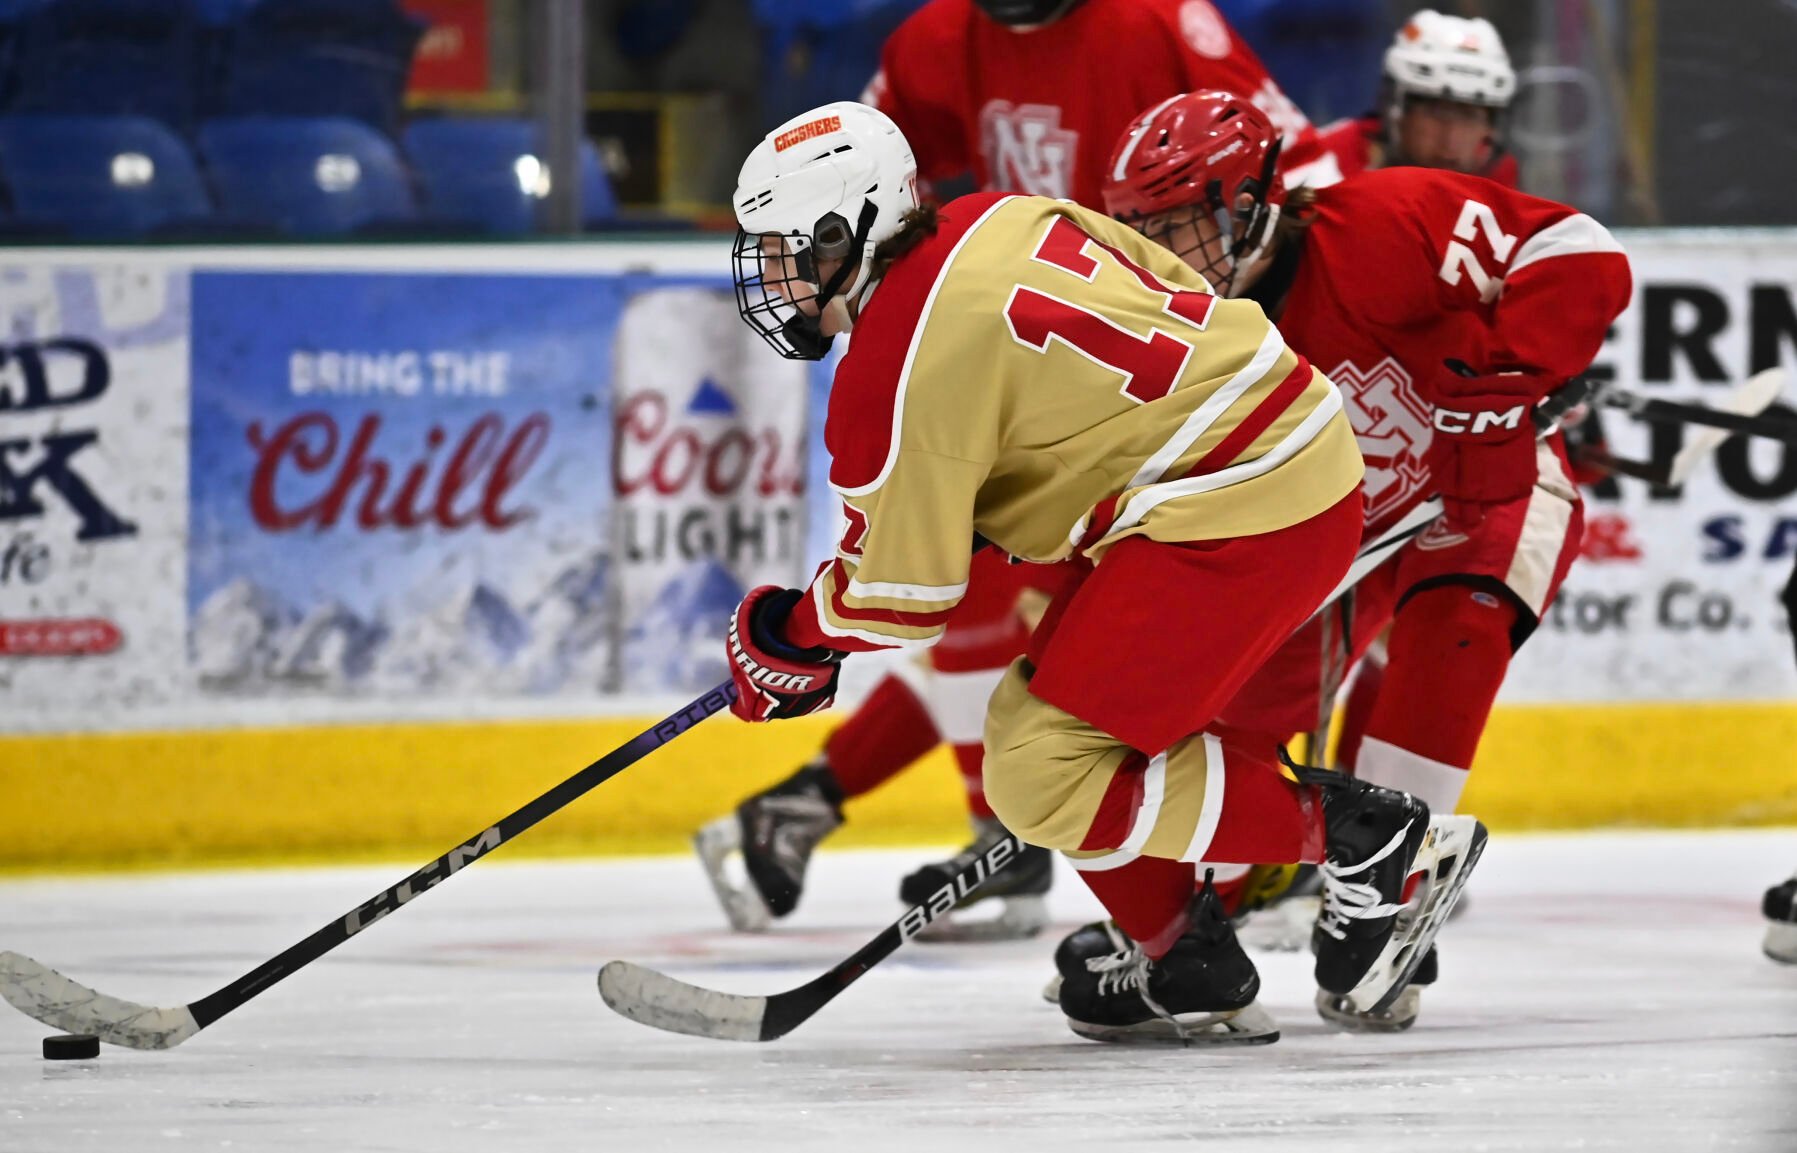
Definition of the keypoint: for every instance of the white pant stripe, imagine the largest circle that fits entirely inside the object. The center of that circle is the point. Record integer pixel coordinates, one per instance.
(1154, 794)
(1212, 811)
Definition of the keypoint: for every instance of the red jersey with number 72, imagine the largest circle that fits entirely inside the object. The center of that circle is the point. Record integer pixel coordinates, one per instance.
(1403, 268)
(1048, 378)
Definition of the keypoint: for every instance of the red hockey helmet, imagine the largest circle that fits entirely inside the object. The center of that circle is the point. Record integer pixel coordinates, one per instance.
(1197, 152)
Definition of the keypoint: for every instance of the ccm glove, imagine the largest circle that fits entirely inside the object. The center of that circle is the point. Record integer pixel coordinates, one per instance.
(775, 681)
(1483, 450)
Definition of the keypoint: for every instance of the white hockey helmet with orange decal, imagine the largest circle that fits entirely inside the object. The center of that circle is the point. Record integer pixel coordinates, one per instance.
(824, 188)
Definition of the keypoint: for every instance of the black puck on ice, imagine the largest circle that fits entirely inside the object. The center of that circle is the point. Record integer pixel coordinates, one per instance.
(71, 1047)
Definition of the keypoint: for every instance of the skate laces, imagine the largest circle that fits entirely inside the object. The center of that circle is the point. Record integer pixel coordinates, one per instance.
(1121, 971)
(1345, 900)
(1126, 971)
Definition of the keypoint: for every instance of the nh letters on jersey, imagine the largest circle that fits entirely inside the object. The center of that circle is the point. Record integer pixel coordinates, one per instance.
(1050, 379)
(1038, 112)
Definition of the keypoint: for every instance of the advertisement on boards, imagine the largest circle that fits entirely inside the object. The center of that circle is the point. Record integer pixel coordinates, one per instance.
(1676, 593)
(398, 485)
(93, 429)
(710, 478)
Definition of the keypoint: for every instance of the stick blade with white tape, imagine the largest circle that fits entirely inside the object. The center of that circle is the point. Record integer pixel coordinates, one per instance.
(45, 995)
(1750, 398)
(662, 1002)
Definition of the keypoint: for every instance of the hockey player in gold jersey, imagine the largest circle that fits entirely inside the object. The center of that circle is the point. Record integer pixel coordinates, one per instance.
(1031, 374)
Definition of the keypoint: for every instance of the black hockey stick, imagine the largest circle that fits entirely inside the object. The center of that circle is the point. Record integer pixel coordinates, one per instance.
(661, 1002)
(1763, 424)
(1742, 412)
(41, 992)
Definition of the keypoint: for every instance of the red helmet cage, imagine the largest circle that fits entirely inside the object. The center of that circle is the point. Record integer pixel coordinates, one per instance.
(1199, 148)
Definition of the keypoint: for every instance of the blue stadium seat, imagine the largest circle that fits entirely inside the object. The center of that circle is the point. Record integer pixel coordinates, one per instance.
(12, 26)
(99, 176)
(306, 177)
(347, 58)
(481, 173)
(108, 58)
(1325, 54)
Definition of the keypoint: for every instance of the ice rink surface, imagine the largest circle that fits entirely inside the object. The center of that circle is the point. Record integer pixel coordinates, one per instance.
(1601, 992)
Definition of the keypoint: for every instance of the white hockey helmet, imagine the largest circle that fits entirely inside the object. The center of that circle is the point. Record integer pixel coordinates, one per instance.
(829, 185)
(1449, 58)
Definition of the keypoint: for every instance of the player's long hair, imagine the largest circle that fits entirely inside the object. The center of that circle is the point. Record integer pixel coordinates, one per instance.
(915, 226)
(1296, 213)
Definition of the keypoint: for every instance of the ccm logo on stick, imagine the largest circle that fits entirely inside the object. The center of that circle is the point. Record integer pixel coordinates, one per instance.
(1447, 420)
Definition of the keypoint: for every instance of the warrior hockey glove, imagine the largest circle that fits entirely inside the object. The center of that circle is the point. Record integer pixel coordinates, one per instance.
(1483, 450)
(775, 681)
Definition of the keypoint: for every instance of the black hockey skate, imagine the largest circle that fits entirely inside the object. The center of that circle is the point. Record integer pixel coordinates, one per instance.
(1020, 885)
(1394, 1018)
(1201, 992)
(1279, 909)
(1780, 907)
(776, 832)
(1376, 840)
(1097, 939)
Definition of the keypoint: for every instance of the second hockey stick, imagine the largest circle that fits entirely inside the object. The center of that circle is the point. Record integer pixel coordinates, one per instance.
(652, 998)
(41, 992)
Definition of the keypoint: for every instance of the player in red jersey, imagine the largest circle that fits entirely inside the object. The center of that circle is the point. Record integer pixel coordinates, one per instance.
(1447, 86)
(1445, 306)
(1028, 95)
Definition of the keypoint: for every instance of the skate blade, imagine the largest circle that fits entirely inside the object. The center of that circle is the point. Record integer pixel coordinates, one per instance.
(714, 844)
(1395, 1019)
(1283, 928)
(1051, 992)
(1781, 942)
(1250, 1025)
(1446, 858)
(1020, 918)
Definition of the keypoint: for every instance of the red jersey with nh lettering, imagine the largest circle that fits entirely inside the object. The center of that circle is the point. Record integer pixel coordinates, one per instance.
(1346, 148)
(1039, 110)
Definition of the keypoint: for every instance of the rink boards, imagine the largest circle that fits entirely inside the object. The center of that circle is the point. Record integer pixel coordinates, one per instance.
(308, 553)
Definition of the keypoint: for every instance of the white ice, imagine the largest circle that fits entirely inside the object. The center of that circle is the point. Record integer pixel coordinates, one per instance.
(1601, 992)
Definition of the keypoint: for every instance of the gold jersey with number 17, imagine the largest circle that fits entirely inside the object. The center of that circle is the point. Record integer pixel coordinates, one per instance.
(1048, 378)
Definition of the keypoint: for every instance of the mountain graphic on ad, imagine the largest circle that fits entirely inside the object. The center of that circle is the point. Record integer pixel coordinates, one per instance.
(398, 485)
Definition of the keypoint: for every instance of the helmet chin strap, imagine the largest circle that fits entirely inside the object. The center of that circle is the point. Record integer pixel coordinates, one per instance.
(806, 332)
(1259, 233)
(1269, 226)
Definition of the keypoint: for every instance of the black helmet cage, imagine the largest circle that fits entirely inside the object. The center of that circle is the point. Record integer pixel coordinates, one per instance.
(1219, 271)
(772, 307)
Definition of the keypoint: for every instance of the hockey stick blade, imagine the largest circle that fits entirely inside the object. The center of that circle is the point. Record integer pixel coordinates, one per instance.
(39, 991)
(1744, 402)
(662, 1002)
(42, 993)
(1749, 399)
